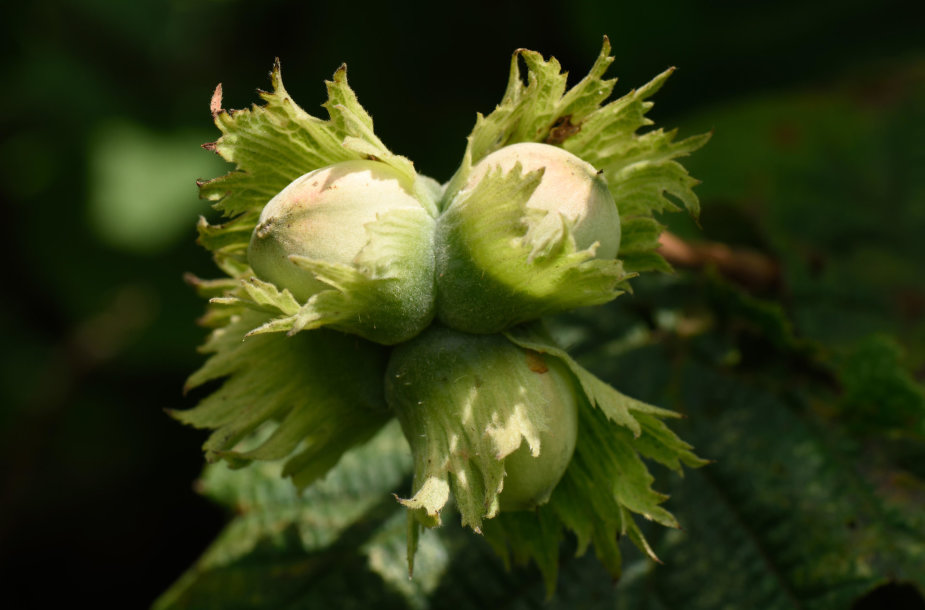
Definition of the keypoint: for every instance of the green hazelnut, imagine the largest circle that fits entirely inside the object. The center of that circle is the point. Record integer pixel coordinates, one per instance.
(353, 243)
(322, 215)
(570, 187)
(483, 417)
(533, 231)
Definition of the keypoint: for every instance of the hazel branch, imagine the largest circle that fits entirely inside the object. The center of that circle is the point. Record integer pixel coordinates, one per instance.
(745, 266)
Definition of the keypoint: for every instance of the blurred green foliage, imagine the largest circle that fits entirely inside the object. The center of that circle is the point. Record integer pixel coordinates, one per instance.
(139, 199)
(807, 393)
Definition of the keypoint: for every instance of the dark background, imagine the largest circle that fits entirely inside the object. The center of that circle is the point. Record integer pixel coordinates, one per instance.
(104, 107)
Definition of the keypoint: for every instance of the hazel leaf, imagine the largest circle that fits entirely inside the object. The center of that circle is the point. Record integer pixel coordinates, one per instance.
(522, 536)
(385, 552)
(282, 544)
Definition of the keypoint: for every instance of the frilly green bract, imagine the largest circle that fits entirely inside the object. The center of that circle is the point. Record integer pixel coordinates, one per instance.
(322, 391)
(323, 388)
(640, 169)
(481, 397)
